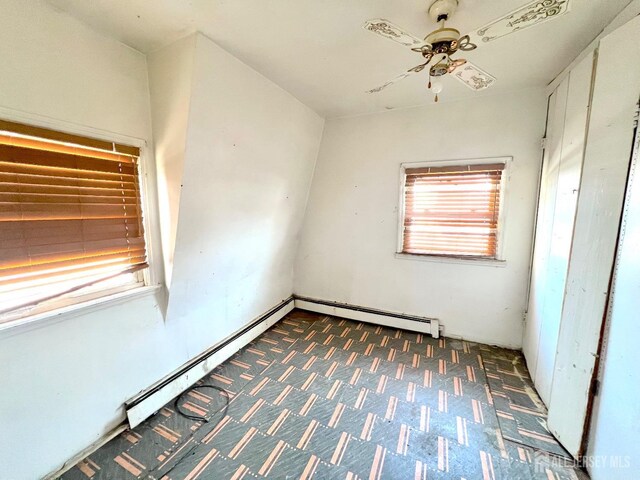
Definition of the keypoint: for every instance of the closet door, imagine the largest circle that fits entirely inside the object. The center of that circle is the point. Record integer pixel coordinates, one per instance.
(544, 226)
(568, 112)
(606, 164)
(568, 182)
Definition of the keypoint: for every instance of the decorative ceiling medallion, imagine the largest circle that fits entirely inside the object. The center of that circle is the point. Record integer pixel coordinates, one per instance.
(526, 16)
(388, 30)
(473, 77)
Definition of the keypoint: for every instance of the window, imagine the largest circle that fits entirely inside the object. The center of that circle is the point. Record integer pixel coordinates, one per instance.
(452, 210)
(70, 216)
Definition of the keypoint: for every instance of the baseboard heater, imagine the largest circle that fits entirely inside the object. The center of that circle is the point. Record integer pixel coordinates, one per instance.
(370, 315)
(149, 401)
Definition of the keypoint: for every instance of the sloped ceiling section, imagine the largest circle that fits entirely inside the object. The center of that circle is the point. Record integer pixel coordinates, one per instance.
(319, 53)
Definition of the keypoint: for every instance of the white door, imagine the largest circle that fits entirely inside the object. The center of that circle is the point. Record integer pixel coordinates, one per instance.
(566, 129)
(544, 225)
(568, 182)
(606, 161)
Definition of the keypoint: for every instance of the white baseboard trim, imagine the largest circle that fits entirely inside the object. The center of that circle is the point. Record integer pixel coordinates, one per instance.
(149, 401)
(429, 326)
(70, 463)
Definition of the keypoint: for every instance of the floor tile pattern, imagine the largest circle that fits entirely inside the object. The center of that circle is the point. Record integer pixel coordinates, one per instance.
(319, 397)
(521, 413)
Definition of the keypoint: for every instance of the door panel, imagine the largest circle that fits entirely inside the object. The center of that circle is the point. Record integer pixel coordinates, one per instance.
(606, 162)
(544, 225)
(567, 184)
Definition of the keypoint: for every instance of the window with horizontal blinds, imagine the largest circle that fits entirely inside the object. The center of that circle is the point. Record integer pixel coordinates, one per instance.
(69, 208)
(452, 210)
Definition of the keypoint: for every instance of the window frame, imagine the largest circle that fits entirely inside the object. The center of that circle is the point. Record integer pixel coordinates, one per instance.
(148, 279)
(499, 259)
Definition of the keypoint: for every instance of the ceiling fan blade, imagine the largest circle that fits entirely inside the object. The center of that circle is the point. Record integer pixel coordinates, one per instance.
(473, 77)
(417, 69)
(533, 13)
(390, 82)
(402, 76)
(388, 30)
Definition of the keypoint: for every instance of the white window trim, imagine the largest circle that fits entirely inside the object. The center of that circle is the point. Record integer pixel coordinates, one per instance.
(86, 305)
(150, 278)
(499, 260)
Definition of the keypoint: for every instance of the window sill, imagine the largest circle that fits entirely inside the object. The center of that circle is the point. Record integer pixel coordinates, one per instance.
(484, 262)
(79, 308)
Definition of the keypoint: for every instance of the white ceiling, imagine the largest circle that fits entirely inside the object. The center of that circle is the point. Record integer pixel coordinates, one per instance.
(317, 50)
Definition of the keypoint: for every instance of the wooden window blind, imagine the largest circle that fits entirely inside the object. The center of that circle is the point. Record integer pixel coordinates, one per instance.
(69, 205)
(452, 210)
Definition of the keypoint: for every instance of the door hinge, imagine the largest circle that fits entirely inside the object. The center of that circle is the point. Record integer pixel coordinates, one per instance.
(543, 142)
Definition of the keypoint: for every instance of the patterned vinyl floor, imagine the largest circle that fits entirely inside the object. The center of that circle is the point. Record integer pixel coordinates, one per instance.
(319, 397)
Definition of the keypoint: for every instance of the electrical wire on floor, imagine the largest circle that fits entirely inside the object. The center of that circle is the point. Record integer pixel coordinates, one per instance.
(201, 418)
(159, 473)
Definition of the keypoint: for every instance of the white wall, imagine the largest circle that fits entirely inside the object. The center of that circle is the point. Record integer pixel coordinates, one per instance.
(250, 152)
(88, 87)
(69, 376)
(350, 230)
(64, 380)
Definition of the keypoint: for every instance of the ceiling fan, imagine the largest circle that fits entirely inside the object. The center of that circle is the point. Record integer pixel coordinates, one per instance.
(439, 46)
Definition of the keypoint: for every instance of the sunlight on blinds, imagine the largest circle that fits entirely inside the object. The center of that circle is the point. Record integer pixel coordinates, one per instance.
(452, 210)
(67, 209)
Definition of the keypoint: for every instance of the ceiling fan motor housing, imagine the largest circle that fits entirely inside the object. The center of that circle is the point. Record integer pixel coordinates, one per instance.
(443, 40)
(442, 10)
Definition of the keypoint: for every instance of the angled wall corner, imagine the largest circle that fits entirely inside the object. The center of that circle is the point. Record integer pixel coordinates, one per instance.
(236, 155)
(170, 81)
